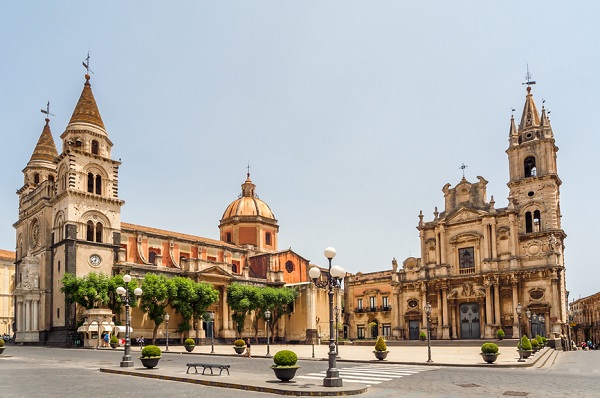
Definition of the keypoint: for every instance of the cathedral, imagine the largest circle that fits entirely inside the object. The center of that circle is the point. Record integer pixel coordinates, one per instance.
(478, 262)
(70, 222)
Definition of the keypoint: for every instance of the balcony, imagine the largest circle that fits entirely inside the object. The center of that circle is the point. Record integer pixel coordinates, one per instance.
(381, 308)
(467, 271)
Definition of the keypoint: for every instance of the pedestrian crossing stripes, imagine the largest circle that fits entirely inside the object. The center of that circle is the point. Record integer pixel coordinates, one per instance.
(372, 374)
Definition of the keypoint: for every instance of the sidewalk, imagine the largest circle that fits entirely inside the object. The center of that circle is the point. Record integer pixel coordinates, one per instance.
(266, 382)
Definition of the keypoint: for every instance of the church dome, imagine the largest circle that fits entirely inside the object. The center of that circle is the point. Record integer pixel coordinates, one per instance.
(248, 204)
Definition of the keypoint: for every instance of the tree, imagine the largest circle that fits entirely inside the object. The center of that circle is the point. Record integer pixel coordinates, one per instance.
(239, 300)
(155, 298)
(190, 299)
(206, 295)
(278, 301)
(95, 290)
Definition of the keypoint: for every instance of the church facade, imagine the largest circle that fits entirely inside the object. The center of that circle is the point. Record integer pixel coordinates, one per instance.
(477, 261)
(70, 221)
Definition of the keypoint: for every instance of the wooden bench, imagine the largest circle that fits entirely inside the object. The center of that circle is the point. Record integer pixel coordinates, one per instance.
(208, 366)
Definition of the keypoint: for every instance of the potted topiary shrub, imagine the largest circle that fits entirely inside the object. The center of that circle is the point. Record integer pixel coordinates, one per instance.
(189, 345)
(500, 334)
(239, 346)
(489, 352)
(544, 341)
(525, 346)
(540, 341)
(534, 345)
(2, 346)
(151, 354)
(285, 365)
(380, 349)
(114, 341)
(423, 336)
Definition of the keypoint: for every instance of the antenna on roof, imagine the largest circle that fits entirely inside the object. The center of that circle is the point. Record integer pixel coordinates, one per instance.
(86, 63)
(463, 167)
(528, 80)
(47, 111)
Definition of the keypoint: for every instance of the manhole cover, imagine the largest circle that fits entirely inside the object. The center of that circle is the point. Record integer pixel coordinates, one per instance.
(469, 385)
(516, 393)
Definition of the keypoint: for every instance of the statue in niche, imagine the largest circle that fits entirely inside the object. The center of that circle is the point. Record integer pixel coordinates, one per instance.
(394, 264)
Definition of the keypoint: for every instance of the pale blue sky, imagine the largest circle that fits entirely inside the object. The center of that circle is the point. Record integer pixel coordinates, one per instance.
(353, 115)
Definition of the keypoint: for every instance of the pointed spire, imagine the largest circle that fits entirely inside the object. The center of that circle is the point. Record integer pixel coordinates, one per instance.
(544, 120)
(86, 110)
(45, 150)
(530, 117)
(513, 128)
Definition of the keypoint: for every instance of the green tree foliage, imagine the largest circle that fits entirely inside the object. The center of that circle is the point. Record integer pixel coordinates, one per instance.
(95, 290)
(155, 298)
(278, 301)
(238, 299)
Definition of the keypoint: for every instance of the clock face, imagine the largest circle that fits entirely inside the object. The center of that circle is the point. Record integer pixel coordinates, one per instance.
(95, 260)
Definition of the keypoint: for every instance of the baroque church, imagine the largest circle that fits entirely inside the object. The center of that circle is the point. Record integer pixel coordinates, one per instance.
(70, 221)
(479, 262)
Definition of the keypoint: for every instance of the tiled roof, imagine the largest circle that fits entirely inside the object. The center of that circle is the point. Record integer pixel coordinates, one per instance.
(45, 148)
(7, 255)
(177, 235)
(86, 110)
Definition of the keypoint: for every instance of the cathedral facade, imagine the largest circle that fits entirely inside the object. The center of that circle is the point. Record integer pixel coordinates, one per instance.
(70, 222)
(479, 262)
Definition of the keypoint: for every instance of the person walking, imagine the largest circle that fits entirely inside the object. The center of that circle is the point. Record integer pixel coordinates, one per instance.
(106, 339)
(248, 350)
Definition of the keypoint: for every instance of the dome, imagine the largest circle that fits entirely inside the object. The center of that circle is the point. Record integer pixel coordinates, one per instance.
(248, 204)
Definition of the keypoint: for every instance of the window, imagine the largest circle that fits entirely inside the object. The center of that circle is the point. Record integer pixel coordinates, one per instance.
(36, 178)
(59, 266)
(98, 232)
(94, 232)
(384, 302)
(51, 178)
(530, 169)
(58, 312)
(360, 305)
(466, 257)
(234, 268)
(98, 185)
(268, 239)
(533, 221)
(360, 332)
(90, 183)
(152, 258)
(94, 181)
(228, 237)
(373, 303)
(95, 147)
(386, 330)
(89, 236)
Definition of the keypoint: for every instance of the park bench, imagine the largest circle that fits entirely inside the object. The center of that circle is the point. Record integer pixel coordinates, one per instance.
(207, 366)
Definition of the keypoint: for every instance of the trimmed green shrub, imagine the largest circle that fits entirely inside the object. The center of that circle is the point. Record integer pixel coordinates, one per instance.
(380, 345)
(525, 343)
(2, 342)
(114, 340)
(423, 336)
(544, 340)
(239, 343)
(500, 334)
(189, 342)
(534, 343)
(539, 340)
(151, 351)
(489, 348)
(285, 358)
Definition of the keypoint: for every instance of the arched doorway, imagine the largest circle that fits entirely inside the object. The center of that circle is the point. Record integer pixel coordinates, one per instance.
(374, 328)
(469, 321)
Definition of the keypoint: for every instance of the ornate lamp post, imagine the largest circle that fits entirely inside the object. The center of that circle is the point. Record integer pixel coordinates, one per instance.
(569, 333)
(211, 315)
(519, 309)
(124, 291)
(528, 313)
(334, 279)
(267, 317)
(167, 317)
(428, 312)
(336, 311)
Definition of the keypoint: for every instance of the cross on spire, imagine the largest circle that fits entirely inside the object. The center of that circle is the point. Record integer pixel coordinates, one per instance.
(86, 64)
(528, 80)
(248, 168)
(463, 167)
(47, 111)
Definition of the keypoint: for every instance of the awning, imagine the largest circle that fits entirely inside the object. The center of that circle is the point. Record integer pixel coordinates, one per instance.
(106, 328)
(121, 329)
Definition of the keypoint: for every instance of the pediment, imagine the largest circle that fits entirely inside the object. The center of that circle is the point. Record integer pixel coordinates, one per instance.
(215, 271)
(464, 214)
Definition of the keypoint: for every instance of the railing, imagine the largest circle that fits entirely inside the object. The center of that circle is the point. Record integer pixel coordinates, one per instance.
(467, 271)
(372, 309)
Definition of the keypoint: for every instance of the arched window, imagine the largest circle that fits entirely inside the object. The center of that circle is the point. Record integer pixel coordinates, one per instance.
(51, 178)
(228, 237)
(94, 232)
(98, 185)
(533, 221)
(95, 147)
(234, 268)
(89, 235)
(90, 183)
(99, 232)
(152, 258)
(36, 178)
(268, 238)
(530, 168)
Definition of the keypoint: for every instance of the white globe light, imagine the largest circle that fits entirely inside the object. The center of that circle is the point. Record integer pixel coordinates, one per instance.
(121, 290)
(330, 252)
(138, 292)
(314, 272)
(337, 271)
(126, 278)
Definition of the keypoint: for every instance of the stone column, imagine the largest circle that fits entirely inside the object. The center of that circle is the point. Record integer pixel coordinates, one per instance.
(514, 235)
(440, 312)
(395, 312)
(224, 310)
(488, 304)
(497, 304)
(445, 306)
(442, 244)
(455, 320)
(438, 248)
(486, 242)
(515, 302)
(493, 241)
(34, 314)
(19, 317)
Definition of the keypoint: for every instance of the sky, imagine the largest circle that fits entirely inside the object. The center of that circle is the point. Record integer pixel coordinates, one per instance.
(352, 115)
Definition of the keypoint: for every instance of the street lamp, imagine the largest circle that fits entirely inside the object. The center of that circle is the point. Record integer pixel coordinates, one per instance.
(267, 317)
(528, 313)
(336, 311)
(334, 279)
(124, 291)
(519, 309)
(211, 315)
(167, 317)
(569, 330)
(428, 312)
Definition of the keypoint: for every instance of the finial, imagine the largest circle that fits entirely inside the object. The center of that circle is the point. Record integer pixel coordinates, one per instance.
(86, 65)
(528, 80)
(463, 167)
(47, 112)
(248, 168)
(512, 113)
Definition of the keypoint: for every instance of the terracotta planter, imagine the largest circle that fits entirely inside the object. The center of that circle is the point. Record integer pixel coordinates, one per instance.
(381, 355)
(189, 348)
(285, 373)
(489, 358)
(239, 350)
(150, 362)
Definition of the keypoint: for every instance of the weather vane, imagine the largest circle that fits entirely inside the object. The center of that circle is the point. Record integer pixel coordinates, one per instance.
(47, 111)
(463, 167)
(86, 64)
(528, 80)
(248, 167)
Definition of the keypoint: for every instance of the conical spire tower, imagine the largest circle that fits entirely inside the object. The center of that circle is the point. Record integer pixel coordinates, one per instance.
(45, 150)
(86, 110)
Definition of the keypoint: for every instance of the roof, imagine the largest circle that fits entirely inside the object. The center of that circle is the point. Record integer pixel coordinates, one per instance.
(86, 110)
(177, 235)
(45, 149)
(248, 204)
(7, 255)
